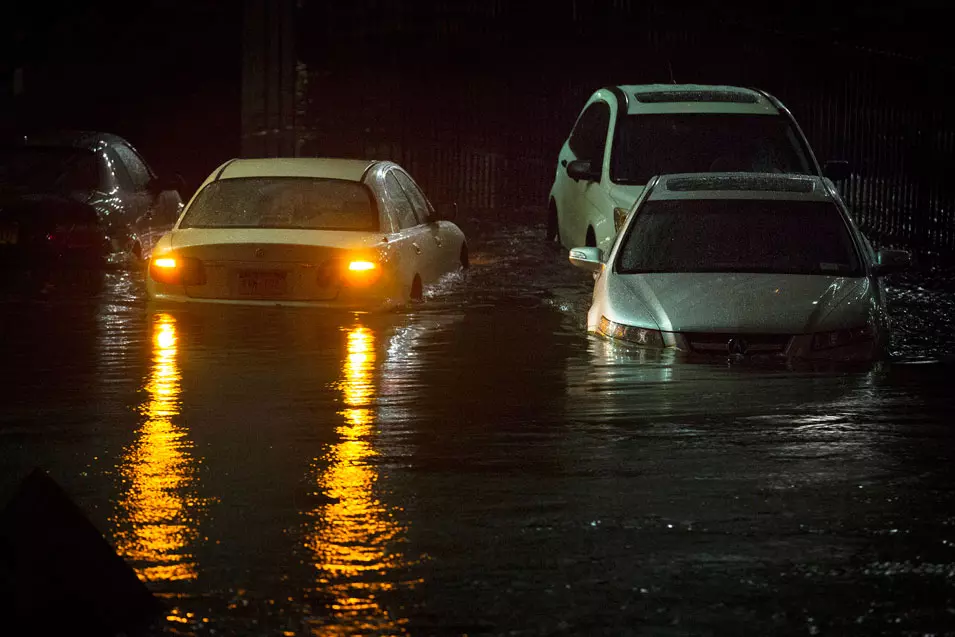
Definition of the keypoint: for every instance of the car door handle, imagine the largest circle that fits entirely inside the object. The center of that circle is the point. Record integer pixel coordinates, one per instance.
(416, 247)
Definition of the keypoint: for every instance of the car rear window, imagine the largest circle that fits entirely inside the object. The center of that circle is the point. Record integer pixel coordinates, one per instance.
(283, 202)
(739, 235)
(645, 145)
(732, 97)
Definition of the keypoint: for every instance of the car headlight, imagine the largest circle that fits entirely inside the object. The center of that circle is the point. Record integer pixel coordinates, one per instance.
(641, 336)
(841, 338)
(619, 216)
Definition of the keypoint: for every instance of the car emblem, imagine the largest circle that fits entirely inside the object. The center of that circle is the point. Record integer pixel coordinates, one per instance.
(259, 253)
(737, 346)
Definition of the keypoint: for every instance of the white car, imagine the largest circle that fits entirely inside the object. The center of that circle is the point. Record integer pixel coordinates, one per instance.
(626, 134)
(306, 231)
(740, 265)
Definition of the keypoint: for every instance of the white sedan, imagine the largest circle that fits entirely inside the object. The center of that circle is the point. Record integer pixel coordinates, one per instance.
(356, 234)
(742, 265)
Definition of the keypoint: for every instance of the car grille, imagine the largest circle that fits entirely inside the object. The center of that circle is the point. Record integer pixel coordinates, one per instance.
(719, 343)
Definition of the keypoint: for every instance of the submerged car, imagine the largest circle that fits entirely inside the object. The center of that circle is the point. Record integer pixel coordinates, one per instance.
(343, 233)
(81, 197)
(626, 134)
(742, 265)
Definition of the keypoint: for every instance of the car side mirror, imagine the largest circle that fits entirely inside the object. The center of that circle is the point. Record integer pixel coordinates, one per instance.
(836, 169)
(445, 210)
(889, 261)
(588, 258)
(582, 169)
(162, 184)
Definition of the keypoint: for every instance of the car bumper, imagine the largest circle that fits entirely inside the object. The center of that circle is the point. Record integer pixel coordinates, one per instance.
(798, 350)
(368, 305)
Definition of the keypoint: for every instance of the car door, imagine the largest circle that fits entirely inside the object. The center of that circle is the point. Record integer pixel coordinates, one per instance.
(153, 211)
(411, 237)
(439, 251)
(588, 141)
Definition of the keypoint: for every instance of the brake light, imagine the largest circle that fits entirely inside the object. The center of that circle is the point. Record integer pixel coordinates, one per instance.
(361, 266)
(361, 273)
(177, 271)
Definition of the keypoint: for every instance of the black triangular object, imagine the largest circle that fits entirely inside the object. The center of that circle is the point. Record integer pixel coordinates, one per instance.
(58, 575)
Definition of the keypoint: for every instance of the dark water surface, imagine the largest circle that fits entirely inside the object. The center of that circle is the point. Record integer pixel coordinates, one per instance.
(478, 465)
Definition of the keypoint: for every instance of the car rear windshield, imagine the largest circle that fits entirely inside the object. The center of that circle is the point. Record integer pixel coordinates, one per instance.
(656, 144)
(283, 202)
(739, 235)
(48, 169)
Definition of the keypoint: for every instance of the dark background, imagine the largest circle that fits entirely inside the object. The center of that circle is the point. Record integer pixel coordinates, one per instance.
(475, 98)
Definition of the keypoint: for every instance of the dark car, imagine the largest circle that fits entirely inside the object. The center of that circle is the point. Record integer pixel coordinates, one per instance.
(81, 197)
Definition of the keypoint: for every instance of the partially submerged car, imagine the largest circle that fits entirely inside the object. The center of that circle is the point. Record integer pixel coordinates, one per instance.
(626, 134)
(344, 233)
(81, 197)
(742, 265)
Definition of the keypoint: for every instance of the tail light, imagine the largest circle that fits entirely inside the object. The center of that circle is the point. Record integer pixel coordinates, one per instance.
(619, 218)
(353, 273)
(176, 270)
(360, 273)
(77, 236)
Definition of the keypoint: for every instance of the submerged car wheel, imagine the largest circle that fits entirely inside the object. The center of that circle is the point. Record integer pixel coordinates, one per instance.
(553, 225)
(417, 291)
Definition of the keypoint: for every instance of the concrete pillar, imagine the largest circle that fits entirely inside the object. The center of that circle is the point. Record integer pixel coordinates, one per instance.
(268, 79)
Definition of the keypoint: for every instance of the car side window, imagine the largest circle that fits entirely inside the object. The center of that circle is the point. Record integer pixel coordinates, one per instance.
(589, 137)
(120, 174)
(138, 171)
(418, 200)
(404, 210)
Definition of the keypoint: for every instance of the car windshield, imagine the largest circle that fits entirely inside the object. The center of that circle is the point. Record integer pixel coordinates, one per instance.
(648, 145)
(283, 202)
(48, 169)
(739, 235)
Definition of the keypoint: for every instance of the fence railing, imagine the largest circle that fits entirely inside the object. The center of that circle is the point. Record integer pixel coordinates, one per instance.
(488, 136)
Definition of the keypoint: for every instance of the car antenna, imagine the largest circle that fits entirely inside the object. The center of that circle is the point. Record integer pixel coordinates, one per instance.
(670, 67)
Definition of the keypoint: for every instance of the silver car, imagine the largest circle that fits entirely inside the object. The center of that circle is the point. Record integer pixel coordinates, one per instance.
(742, 265)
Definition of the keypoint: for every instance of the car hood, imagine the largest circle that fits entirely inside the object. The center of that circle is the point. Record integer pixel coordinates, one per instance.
(755, 303)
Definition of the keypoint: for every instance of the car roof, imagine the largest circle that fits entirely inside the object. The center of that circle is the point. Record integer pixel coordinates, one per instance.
(740, 186)
(321, 167)
(90, 140)
(695, 98)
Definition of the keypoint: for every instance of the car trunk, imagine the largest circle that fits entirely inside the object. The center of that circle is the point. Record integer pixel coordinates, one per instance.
(266, 271)
(262, 264)
(49, 224)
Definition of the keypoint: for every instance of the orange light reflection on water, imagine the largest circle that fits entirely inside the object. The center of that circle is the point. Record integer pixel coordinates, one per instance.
(352, 535)
(157, 521)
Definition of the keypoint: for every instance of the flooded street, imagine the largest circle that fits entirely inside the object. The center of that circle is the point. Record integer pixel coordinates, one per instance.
(478, 465)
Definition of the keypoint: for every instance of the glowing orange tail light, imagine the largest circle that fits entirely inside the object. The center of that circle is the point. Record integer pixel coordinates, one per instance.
(177, 270)
(361, 273)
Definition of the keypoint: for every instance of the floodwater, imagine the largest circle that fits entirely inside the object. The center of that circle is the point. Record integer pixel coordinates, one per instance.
(477, 465)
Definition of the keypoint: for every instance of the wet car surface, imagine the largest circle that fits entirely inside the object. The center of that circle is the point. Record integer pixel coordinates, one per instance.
(477, 464)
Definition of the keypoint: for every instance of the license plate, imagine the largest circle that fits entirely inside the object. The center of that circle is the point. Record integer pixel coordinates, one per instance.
(258, 283)
(8, 235)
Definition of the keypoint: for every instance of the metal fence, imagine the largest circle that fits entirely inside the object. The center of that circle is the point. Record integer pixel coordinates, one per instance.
(485, 131)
